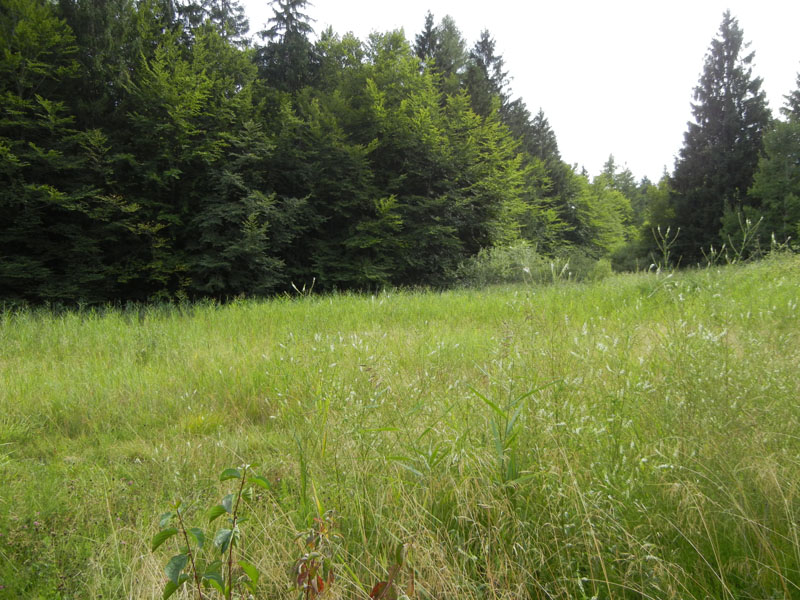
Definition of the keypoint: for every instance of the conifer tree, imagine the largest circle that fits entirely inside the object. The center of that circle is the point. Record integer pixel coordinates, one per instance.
(486, 81)
(226, 16)
(722, 146)
(776, 186)
(426, 42)
(60, 225)
(285, 62)
(450, 55)
(792, 108)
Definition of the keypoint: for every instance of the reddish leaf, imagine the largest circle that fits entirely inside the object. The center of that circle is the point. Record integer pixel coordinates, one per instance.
(383, 591)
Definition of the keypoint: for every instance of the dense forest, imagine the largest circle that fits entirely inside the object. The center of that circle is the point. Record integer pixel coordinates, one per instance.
(156, 150)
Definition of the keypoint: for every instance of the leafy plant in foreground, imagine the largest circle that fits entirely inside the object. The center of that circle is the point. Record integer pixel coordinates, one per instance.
(313, 571)
(218, 573)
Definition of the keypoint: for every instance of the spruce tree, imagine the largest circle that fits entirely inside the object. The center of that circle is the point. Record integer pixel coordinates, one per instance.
(722, 147)
(485, 78)
(425, 42)
(61, 221)
(286, 60)
(792, 108)
(450, 56)
(776, 185)
(226, 16)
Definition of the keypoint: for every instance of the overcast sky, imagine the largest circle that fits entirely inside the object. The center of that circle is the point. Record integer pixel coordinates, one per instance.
(613, 77)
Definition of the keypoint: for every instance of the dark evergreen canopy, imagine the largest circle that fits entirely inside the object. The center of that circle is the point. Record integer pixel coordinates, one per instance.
(150, 150)
(722, 146)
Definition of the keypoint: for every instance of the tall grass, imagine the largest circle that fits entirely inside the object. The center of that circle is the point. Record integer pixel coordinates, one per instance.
(632, 438)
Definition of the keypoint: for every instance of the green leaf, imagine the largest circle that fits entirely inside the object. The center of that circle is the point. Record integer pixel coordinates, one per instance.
(165, 519)
(404, 461)
(172, 586)
(498, 441)
(174, 567)
(491, 404)
(223, 539)
(213, 577)
(161, 537)
(512, 421)
(227, 503)
(215, 581)
(250, 570)
(198, 535)
(213, 568)
(261, 481)
(379, 429)
(230, 474)
(215, 512)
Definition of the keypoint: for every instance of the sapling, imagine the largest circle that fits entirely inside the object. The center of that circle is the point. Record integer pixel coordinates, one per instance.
(218, 574)
(313, 571)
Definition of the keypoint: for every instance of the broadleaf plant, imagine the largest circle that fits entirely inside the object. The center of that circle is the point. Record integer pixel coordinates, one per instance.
(217, 574)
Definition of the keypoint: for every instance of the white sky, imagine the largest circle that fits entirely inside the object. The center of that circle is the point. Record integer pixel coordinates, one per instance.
(613, 77)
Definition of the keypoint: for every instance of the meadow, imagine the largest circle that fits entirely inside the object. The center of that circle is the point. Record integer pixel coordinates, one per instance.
(635, 437)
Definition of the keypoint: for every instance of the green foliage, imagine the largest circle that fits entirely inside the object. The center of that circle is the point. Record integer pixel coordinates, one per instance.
(149, 152)
(523, 263)
(792, 108)
(485, 80)
(216, 572)
(601, 216)
(517, 263)
(722, 147)
(62, 218)
(776, 184)
(449, 56)
(226, 16)
(546, 192)
(239, 231)
(634, 457)
(285, 62)
(425, 42)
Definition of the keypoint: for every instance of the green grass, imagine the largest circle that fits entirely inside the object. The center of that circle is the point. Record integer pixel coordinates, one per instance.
(658, 458)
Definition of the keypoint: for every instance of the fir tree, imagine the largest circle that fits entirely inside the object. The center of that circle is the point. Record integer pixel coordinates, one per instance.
(722, 147)
(486, 80)
(226, 16)
(776, 186)
(285, 62)
(792, 108)
(450, 56)
(426, 42)
(60, 222)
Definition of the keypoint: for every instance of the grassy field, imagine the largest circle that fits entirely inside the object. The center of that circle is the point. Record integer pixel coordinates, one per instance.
(658, 455)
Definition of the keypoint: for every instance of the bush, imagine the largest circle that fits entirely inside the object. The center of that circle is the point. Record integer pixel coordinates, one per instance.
(600, 270)
(522, 263)
(512, 264)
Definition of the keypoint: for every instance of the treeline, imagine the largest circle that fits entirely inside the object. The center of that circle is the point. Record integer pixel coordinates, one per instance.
(150, 149)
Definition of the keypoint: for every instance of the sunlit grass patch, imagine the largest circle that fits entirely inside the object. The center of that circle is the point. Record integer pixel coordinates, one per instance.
(635, 437)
